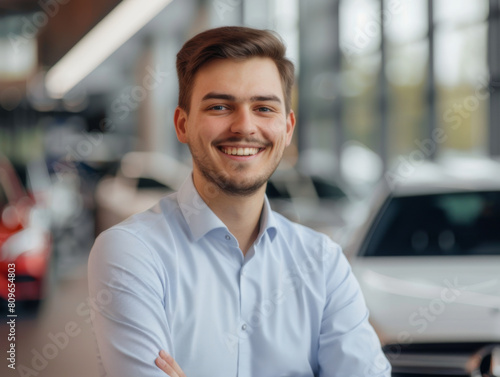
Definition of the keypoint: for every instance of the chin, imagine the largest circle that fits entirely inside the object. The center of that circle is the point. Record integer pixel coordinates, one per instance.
(238, 186)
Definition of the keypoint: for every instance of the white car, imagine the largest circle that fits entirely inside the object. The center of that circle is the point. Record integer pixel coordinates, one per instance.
(428, 262)
(141, 181)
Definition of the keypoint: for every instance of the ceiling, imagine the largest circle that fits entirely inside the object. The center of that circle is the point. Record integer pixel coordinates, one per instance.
(66, 22)
(18, 6)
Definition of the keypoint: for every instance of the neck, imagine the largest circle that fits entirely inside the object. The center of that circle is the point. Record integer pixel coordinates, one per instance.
(241, 214)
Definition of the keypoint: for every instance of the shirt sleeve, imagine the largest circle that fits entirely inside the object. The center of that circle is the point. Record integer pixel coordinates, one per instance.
(348, 345)
(126, 289)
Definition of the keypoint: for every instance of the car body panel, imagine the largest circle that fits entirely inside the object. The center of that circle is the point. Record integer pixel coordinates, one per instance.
(459, 293)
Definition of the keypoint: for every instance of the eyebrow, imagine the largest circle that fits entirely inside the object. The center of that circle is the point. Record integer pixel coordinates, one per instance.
(229, 97)
(271, 98)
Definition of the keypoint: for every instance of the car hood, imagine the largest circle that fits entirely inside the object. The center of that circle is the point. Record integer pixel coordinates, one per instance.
(432, 299)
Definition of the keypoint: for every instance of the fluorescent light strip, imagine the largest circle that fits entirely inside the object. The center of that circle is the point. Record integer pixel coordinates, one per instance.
(126, 19)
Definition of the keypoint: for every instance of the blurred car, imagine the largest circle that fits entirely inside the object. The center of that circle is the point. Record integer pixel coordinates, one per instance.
(25, 240)
(320, 203)
(142, 179)
(428, 262)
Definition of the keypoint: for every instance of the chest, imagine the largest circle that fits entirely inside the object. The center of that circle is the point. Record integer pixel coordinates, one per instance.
(228, 315)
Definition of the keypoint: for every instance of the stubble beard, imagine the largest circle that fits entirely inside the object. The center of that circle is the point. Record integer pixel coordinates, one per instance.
(225, 183)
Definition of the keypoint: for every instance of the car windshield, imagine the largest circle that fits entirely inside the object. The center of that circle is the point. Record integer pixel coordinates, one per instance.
(150, 183)
(443, 224)
(327, 190)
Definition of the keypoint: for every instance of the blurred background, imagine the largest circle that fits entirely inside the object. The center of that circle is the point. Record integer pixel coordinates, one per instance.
(384, 88)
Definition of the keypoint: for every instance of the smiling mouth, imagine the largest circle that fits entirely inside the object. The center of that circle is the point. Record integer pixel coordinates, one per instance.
(240, 151)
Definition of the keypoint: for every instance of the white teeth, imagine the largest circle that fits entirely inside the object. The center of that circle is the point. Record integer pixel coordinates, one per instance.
(240, 151)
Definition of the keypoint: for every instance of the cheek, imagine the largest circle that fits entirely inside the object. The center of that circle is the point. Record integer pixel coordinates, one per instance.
(276, 132)
(200, 130)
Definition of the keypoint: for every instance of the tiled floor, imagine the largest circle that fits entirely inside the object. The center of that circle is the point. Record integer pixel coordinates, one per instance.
(59, 342)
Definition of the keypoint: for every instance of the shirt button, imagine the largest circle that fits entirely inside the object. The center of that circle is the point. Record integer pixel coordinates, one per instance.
(228, 237)
(244, 326)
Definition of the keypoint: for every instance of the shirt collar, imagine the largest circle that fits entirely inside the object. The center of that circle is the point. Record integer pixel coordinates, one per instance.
(267, 222)
(201, 219)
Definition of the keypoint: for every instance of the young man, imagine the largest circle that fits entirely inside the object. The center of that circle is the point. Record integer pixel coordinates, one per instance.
(210, 275)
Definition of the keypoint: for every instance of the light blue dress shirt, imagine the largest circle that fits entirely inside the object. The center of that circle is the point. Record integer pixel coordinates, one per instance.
(174, 278)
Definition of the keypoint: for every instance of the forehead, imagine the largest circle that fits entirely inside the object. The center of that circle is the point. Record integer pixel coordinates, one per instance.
(241, 78)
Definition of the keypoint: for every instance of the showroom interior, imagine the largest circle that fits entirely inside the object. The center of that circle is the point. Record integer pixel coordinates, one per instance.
(88, 91)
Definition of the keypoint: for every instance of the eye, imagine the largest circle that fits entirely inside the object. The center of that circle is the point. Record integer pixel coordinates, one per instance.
(264, 109)
(218, 108)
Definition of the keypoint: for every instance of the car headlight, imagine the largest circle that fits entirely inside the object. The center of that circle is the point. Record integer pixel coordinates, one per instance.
(29, 239)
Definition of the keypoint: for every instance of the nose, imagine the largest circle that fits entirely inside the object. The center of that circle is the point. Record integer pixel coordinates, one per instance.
(243, 122)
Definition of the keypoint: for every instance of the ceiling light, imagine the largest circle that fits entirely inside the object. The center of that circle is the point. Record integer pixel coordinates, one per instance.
(126, 19)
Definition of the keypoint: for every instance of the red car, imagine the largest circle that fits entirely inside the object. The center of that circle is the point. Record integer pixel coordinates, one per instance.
(25, 241)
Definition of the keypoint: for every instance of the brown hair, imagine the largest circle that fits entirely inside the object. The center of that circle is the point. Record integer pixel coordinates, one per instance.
(231, 42)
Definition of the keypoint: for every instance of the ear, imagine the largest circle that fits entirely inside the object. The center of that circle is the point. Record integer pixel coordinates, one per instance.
(180, 121)
(290, 126)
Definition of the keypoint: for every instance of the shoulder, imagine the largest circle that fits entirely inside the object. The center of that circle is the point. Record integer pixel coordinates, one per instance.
(303, 240)
(137, 240)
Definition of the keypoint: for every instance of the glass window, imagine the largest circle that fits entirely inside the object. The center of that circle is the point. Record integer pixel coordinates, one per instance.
(461, 55)
(285, 22)
(406, 71)
(359, 27)
(360, 39)
(360, 103)
(405, 21)
(462, 87)
(460, 11)
(408, 101)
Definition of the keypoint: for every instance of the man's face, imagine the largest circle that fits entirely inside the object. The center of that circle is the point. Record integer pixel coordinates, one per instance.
(237, 127)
